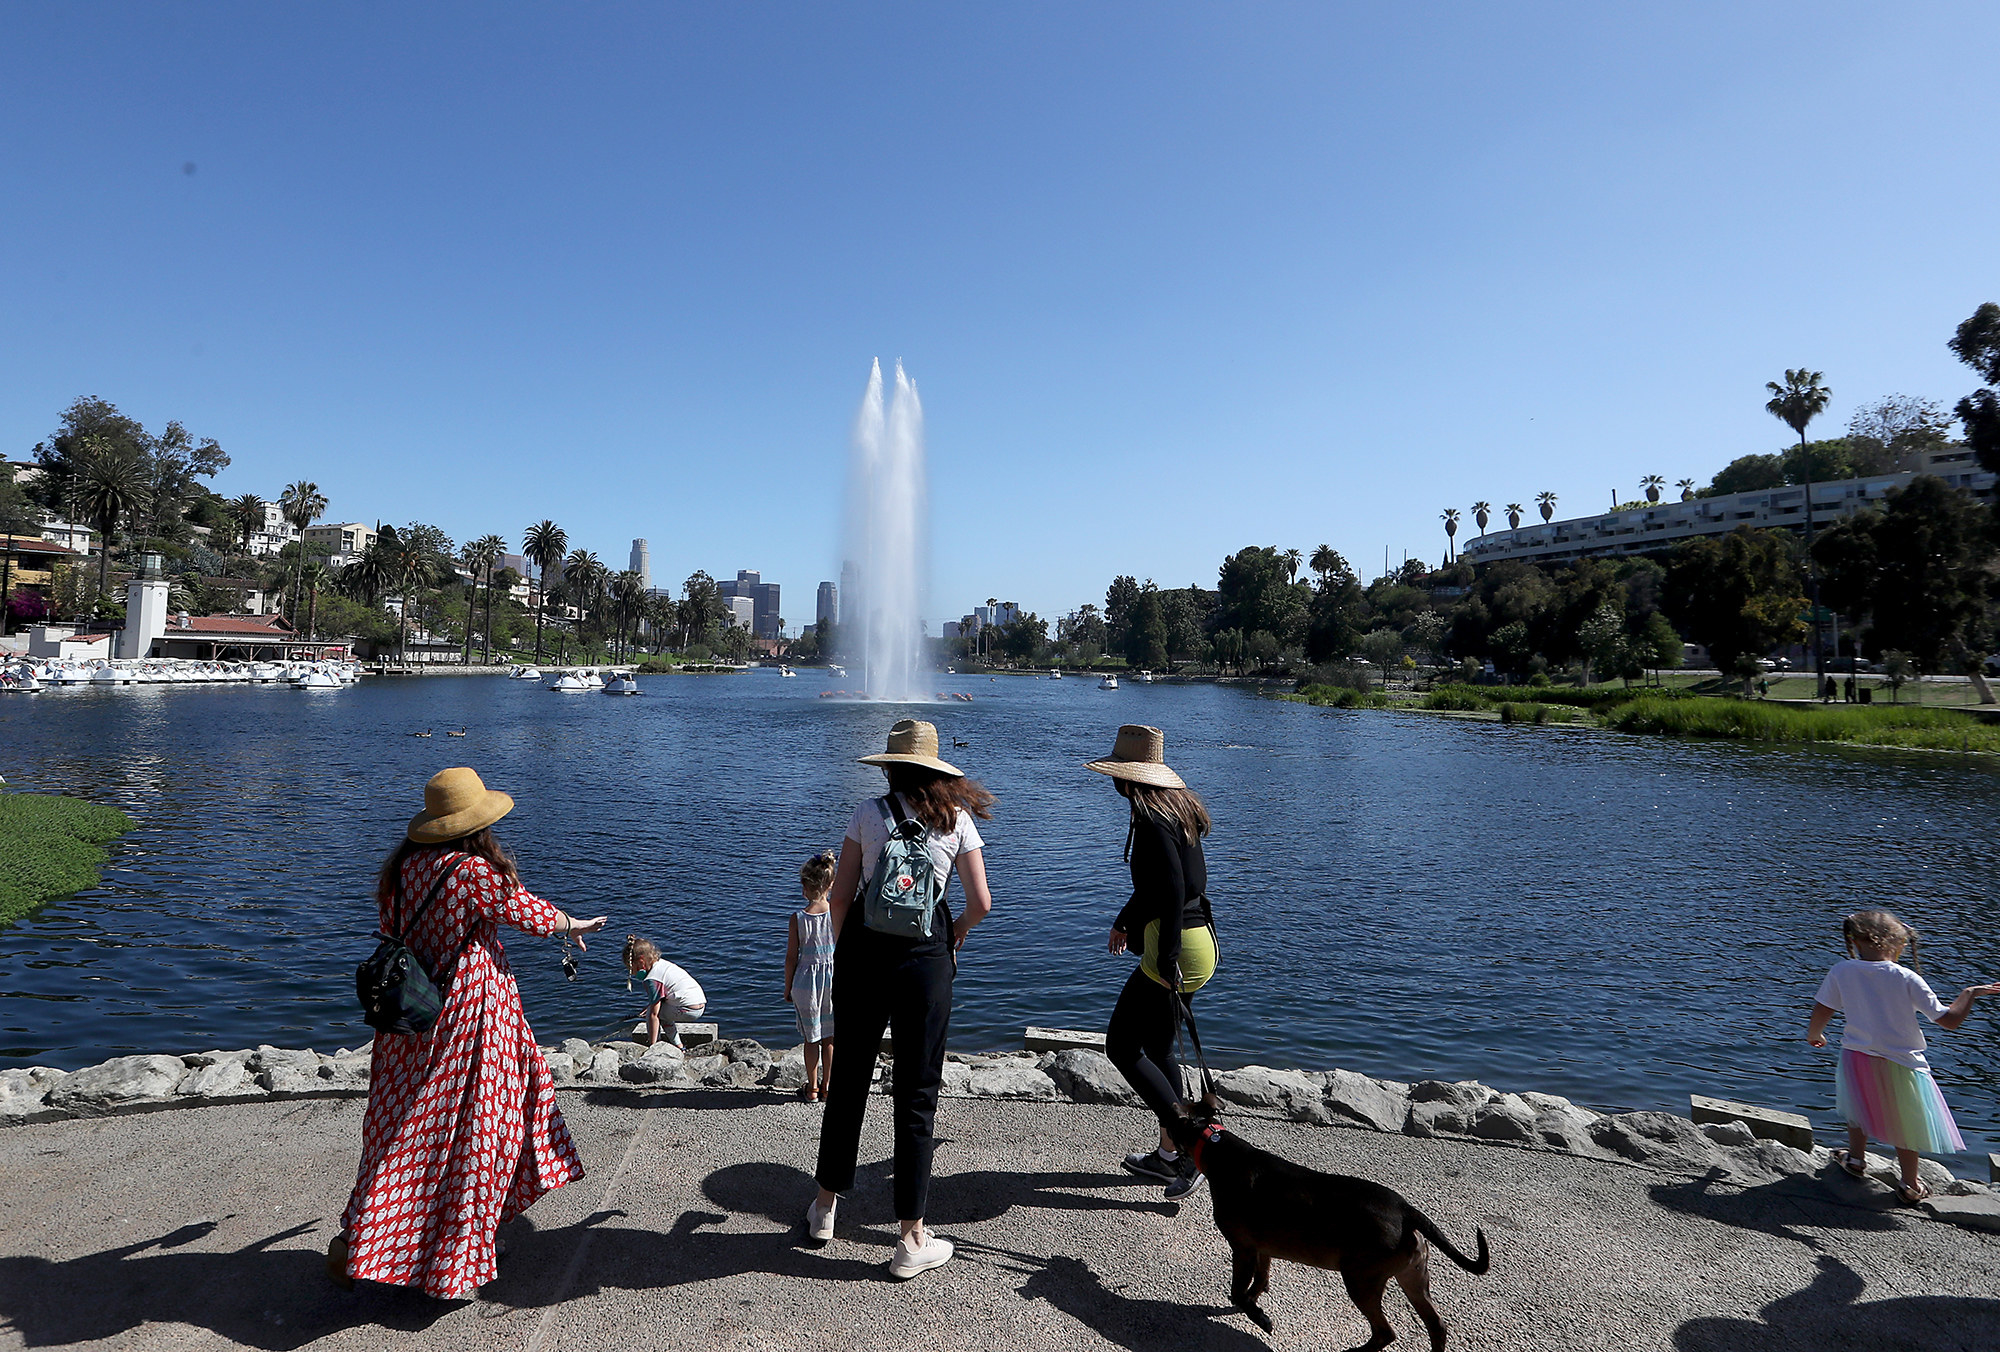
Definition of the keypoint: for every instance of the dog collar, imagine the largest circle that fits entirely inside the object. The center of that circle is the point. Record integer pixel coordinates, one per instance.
(1209, 1135)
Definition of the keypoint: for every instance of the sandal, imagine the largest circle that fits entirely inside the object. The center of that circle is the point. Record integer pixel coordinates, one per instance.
(1853, 1167)
(336, 1263)
(1909, 1194)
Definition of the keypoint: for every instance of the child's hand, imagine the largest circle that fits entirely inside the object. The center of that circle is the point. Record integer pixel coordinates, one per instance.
(1977, 991)
(1816, 1039)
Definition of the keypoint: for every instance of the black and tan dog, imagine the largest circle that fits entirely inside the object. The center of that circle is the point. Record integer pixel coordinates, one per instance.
(1267, 1207)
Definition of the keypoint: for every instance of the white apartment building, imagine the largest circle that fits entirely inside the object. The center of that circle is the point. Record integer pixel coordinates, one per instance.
(341, 544)
(275, 534)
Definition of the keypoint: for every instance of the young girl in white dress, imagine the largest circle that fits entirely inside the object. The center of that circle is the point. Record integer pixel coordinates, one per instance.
(1883, 1084)
(809, 971)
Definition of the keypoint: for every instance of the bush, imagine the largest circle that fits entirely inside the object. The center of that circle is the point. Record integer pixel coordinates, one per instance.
(1757, 721)
(49, 847)
(1341, 697)
(1524, 713)
(1457, 699)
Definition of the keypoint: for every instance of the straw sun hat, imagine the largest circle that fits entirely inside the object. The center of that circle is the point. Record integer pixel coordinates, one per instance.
(914, 742)
(1140, 755)
(456, 804)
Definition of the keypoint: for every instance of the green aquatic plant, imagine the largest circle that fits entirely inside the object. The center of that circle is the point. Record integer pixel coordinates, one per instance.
(51, 846)
(1339, 697)
(1759, 721)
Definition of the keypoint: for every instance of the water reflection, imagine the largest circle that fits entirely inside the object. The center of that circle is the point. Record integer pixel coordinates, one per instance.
(1622, 920)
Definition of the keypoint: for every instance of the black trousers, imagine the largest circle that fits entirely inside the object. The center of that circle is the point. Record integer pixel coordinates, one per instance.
(881, 982)
(1140, 1042)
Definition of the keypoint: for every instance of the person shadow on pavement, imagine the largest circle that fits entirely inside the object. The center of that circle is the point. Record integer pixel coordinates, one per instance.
(1774, 1208)
(1828, 1314)
(257, 1295)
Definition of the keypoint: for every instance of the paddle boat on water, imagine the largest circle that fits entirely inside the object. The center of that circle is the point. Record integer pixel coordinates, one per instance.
(1110, 681)
(20, 680)
(317, 677)
(524, 673)
(1055, 673)
(621, 683)
(1145, 678)
(786, 671)
(570, 683)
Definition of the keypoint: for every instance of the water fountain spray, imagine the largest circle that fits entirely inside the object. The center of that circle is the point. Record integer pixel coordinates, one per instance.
(881, 612)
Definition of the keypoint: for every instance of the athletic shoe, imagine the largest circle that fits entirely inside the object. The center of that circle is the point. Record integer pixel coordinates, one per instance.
(819, 1224)
(1186, 1179)
(1153, 1165)
(912, 1259)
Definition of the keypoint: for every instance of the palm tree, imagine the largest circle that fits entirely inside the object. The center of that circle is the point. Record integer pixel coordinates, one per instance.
(1687, 489)
(312, 577)
(488, 549)
(1450, 519)
(110, 487)
(663, 613)
(1547, 502)
(1293, 560)
(1795, 404)
(628, 591)
(1652, 483)
(1324, 561)
(248, 513)
(303, 504)
(544, 544)
(372, 572)
(583, 575)
(1482, 512)
(411, 570)
(1513, 516)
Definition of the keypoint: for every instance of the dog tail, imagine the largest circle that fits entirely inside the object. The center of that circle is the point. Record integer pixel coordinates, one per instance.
(1429, 1231)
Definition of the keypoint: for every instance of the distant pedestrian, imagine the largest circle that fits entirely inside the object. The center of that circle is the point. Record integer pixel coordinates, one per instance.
(1763, 688)
(1883, 1084)
(896, 952)
(1850, 689)
(462, 1132)
(809, 970)
(672, 996)
(1169, 919)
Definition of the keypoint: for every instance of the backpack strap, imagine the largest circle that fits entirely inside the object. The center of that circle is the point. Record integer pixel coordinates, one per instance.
(896, 810)
(444, 876)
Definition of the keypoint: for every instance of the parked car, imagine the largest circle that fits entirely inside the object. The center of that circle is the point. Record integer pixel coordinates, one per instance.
(1782, 663)
(1992, 664)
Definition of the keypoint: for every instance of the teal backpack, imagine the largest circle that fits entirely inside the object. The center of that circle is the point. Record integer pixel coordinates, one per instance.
(905, 888)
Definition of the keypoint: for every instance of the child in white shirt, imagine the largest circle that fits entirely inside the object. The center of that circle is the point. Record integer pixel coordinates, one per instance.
(673, 996)
(1883, 1084)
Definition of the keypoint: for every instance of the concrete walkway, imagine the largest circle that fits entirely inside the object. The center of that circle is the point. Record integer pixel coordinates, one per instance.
(204, 1228)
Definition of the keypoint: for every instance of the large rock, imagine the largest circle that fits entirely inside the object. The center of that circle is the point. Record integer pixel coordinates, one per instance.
(603, 1067)
(1084, 1076)
(221, 1075)
(1759, 1160)
(662, 1063)
(629, 1052)
(1506, 1117)
(348, 1073)
(1288, 1092)
(1561, 1125)
(1974, 1213)
(562, 1066)
(122, 1084)
(1008, 1079)
(727, 1074)
(1654, 1138)
(1445, 1107)
(286, 1072)
(24, 1095)
(788, 1072)
(577, 1050)
(1383, 1105)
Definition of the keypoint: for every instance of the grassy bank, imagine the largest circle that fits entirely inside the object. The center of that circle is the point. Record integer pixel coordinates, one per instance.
(49, 847)
(1338, 697)
(1756, 721)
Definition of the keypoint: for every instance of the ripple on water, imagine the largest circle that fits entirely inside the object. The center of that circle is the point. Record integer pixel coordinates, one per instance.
(1619, 919)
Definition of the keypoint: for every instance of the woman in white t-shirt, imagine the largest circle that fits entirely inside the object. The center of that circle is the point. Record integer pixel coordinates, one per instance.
(1883, 1084)
(893, 967)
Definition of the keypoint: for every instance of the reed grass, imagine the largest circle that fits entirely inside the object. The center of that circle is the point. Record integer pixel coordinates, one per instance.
(1339, 697)
(1754, 721)
(51, 846)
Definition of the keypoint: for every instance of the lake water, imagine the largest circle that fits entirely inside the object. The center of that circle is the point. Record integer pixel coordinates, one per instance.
(1618, 919)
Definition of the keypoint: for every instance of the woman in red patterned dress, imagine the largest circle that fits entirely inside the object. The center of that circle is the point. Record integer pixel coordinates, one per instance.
(462, 1132)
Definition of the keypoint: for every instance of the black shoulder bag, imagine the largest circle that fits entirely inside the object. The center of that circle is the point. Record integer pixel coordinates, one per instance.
(398, 993)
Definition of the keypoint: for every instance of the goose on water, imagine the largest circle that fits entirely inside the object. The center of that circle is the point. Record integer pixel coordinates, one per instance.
(425, 733)
(449, 733)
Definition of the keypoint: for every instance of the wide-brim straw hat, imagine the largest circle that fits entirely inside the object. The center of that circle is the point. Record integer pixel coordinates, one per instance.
(457, 803)
(1140, 755)
(914, 742)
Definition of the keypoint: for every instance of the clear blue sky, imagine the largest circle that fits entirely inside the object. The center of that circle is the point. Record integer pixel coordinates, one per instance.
(1172, 280)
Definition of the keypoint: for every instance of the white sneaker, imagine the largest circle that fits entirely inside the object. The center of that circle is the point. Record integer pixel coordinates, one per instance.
(912, 1259)
(819, 1224)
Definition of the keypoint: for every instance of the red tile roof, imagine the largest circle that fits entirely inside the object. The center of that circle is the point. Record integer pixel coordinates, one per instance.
(34, 544)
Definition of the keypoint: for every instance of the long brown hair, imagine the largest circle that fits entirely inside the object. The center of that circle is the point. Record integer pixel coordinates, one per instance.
(936, 798)
(481, 844)
(1179, 810)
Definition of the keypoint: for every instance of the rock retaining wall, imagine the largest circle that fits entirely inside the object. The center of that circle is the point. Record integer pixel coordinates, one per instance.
(1467, 1110)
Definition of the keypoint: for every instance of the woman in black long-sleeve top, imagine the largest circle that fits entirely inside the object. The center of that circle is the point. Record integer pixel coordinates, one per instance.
(1169, 919)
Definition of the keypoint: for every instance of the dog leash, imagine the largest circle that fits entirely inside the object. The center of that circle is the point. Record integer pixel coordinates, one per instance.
(1185, 1013)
